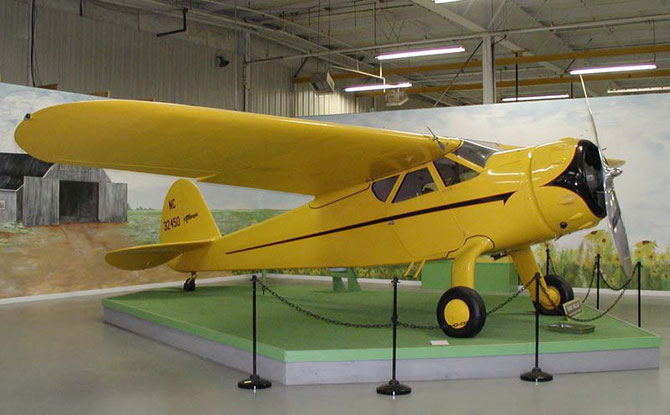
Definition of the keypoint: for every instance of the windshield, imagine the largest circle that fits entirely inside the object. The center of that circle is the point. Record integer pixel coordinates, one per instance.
(477, 152)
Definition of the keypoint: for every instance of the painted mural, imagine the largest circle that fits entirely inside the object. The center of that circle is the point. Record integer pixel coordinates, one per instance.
(70, 256)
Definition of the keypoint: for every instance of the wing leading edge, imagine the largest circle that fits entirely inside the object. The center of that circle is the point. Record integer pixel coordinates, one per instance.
(220, 146)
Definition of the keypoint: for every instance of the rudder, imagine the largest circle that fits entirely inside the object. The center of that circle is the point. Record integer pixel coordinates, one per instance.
(186, 216)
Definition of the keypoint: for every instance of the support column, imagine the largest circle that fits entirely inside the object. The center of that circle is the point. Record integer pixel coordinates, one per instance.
(488, 71)
(246, 70)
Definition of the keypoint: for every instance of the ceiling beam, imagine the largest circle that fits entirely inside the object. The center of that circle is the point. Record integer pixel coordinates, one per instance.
(454, 17)
(533, 82)
(498, 33)
(585, 54)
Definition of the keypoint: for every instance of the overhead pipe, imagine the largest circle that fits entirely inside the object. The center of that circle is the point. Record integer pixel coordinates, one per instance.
(497, 33)
(183, 29)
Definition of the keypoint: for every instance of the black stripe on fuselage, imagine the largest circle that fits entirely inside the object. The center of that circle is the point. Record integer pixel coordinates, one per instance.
(501, 197)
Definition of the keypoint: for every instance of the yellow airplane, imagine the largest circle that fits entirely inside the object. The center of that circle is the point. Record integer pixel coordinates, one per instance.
(380, 197)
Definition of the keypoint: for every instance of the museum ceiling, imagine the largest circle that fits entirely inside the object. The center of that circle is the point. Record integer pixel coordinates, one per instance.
(327, 34)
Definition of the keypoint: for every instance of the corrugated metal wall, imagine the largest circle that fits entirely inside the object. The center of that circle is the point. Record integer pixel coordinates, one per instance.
(85, 55)
(272, 92)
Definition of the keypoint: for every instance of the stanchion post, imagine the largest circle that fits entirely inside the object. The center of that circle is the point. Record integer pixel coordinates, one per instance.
(254, 381)
(393, 387)
(536, 374)
(546, 272)
(598, 281)
(639, 294)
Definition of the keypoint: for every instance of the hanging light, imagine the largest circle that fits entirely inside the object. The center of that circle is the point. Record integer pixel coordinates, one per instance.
(375, 87)
(620, 68)
(633, 90)
(422, 52)
(535, 98)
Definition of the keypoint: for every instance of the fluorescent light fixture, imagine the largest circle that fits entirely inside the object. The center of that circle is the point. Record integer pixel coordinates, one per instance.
(423, 52)
(535, 98)
(622, 68)
(445, 1)
(631, 90)
(376, 87)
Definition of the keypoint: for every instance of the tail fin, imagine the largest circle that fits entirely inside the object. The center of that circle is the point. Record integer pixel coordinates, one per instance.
(186, 224)
(185, 215)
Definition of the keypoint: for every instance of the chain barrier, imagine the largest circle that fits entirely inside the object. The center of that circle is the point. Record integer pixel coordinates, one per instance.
(593, 274)
(587, 320)
(322, 318)
(600, 276)
(438, 327)
(385, 325)
(461, 324)
(625, 284)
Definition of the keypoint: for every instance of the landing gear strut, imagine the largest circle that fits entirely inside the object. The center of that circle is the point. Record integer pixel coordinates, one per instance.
(189, 284)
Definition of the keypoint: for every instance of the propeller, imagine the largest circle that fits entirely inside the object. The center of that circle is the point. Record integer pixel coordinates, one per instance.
(616, 225)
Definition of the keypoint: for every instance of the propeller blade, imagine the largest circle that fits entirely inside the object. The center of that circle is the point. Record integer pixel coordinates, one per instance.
(617, 227)
(593, 121)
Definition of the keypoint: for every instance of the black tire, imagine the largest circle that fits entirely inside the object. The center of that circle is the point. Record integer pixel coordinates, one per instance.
(476, 308)
(189, 285)
(564, 290)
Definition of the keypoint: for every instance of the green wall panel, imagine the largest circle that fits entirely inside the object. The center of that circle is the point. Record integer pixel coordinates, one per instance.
(490, 276)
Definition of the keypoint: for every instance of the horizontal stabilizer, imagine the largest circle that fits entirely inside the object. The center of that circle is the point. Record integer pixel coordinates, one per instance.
(148, 256)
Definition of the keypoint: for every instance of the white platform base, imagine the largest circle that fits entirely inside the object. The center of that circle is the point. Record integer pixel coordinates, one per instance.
(356, 371)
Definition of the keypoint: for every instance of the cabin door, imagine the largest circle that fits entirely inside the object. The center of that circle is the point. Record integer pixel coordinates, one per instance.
(422, 217)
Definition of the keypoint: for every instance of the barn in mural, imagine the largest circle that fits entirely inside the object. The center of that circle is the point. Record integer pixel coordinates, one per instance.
(33, 192)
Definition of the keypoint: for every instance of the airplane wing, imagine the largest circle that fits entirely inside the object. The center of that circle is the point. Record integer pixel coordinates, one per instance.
(220, 146)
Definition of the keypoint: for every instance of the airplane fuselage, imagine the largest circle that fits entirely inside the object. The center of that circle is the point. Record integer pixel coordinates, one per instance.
(511, 201)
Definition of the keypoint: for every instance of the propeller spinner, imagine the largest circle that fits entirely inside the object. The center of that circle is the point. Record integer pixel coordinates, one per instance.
(613, 209)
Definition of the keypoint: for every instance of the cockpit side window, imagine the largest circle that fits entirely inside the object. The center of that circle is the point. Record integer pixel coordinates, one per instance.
(382, 188)
(476, 152)
(452, 172)
(415, 184)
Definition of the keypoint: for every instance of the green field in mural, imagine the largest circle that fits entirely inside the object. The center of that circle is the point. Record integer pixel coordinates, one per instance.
(578, 265)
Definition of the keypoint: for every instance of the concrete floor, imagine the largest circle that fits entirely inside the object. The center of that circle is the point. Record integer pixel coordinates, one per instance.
(57, 357)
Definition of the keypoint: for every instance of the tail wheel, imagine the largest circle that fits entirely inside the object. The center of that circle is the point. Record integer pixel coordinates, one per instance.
(461, 312)
(189, 285)
(559, 285)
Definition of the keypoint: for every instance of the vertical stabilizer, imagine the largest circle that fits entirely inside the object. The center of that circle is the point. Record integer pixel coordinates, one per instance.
(186, 216)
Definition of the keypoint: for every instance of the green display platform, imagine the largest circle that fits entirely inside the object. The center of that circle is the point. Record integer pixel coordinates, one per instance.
(222, 315)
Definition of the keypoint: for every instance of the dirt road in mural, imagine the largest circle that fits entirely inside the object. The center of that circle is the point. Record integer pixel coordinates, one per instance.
(69, 257)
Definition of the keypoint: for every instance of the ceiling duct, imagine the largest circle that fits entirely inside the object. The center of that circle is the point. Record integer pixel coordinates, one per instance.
(322, 83)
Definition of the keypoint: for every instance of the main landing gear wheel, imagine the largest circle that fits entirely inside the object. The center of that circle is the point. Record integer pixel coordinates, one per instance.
(559, 285)
(461, 312)
(189, 285)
